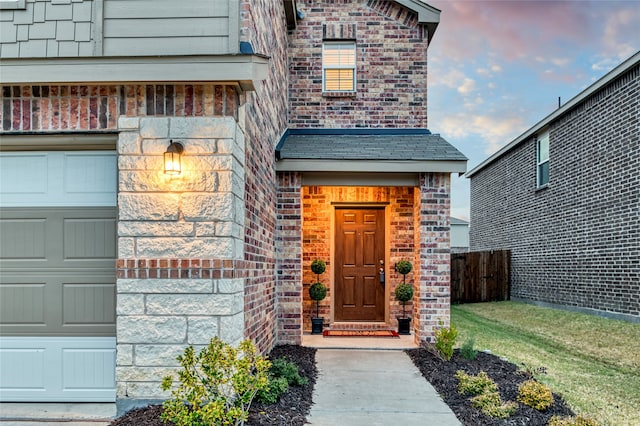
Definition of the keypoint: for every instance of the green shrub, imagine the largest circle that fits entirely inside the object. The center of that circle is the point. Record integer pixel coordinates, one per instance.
(280, 367)
(403, 267)
(445, 339)
(475, 385)
(468, 351)
(282, 374)
(216, 386)
(487, 397)
(491, 404)
(318, 266)
(317, 291)
(572, 421)
(535, 394)
(277, 386)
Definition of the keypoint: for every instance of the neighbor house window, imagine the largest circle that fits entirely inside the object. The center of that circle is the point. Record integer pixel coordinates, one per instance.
(339, 66)
(542, 145)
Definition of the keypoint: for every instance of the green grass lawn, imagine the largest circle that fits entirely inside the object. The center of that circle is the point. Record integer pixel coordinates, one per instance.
(593, 362)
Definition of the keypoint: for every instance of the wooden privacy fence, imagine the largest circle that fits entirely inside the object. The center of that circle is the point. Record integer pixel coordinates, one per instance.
(480, 276)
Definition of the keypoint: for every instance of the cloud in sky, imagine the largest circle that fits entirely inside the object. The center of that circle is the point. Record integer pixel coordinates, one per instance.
(497, 67)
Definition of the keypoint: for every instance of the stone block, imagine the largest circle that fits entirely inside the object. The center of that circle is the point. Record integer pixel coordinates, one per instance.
(148, 329)
(155, 229)
(185, 248)
(194, 304)
(130, 304)
(202, 128)
(154, 128)
(208, 207)
(128, 143)
(169, 286)
(145, 374)
(209, 162)
(154, 146)
(232, 328)
(141, 162)
(157, 181)
(126, 248)
(148, 206)
(201, 330)
(124, 354)
(201, 146)
(126, 123)
(157, 355)
(234, 285)
(146, 390)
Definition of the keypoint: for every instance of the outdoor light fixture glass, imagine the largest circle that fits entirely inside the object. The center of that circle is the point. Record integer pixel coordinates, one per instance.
(172, 158)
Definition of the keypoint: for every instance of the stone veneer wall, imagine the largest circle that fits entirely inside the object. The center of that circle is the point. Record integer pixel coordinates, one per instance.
(264, 26)
(575, 242)
(391, 66)
(180, 245)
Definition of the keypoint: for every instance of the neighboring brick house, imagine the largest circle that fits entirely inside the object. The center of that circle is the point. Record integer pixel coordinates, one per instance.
(564, 197)
(94, 92)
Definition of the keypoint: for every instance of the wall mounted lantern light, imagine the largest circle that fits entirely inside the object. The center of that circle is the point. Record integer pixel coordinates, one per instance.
(172, 155)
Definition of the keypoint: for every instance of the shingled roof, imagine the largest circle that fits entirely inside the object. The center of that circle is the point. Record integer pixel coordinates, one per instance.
(407, 150)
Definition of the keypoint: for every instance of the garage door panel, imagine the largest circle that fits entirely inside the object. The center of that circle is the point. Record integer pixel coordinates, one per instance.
(80, 372)
(90, 238)
(23, 238)
(22, 368)
(73, 303)
(24, 173)
(57, 369)
(88, 304)
(23, 303)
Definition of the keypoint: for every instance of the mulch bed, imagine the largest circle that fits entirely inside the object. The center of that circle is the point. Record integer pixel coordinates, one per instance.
(290, 410)
(441, 374)
(295, 405)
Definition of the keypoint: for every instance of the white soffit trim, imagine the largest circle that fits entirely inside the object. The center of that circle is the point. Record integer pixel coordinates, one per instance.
(360, 179)
(244, 70)
(376, 166)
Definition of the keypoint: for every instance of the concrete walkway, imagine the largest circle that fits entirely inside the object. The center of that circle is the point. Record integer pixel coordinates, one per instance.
(354, 387)
(370, 388)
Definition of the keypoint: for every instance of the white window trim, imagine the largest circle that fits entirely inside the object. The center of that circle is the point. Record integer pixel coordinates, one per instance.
(353, 67)
(12, 4)
(540, 162)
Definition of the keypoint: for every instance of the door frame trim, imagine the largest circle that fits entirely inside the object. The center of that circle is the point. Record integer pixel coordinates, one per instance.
(332, 254)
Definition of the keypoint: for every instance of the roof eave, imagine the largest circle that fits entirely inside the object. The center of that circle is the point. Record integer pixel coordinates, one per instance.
(378, 166)
(603, 81)
(427, 15)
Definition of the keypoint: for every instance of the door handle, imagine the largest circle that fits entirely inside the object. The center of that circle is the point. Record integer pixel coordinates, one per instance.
(381, 272)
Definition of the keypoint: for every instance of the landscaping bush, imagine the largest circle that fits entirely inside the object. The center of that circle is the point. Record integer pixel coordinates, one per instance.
(535, 394)
(445, 339)
(487, 397)
(468, 351)
(491, 404)
(572, 421)
(475, 385)
(217, 385)
(282, 374)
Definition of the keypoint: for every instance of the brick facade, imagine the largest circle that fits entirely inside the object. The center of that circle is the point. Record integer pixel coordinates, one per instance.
(391, 67)
(576, 241)
(264, 26)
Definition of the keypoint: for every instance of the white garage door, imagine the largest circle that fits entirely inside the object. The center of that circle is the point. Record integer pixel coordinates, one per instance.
(57, 276)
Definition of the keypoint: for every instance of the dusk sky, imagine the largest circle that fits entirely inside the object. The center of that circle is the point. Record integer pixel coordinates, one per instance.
(496, 68)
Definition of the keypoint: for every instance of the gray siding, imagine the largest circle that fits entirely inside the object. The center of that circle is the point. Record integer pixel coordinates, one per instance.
(72, 28)
(576, 242)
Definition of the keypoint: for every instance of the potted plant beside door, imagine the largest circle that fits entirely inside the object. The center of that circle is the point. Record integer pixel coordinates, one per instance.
(317, 292)
(404, 293)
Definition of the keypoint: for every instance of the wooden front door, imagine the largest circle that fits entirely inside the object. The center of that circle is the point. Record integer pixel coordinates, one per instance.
(359, 294)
